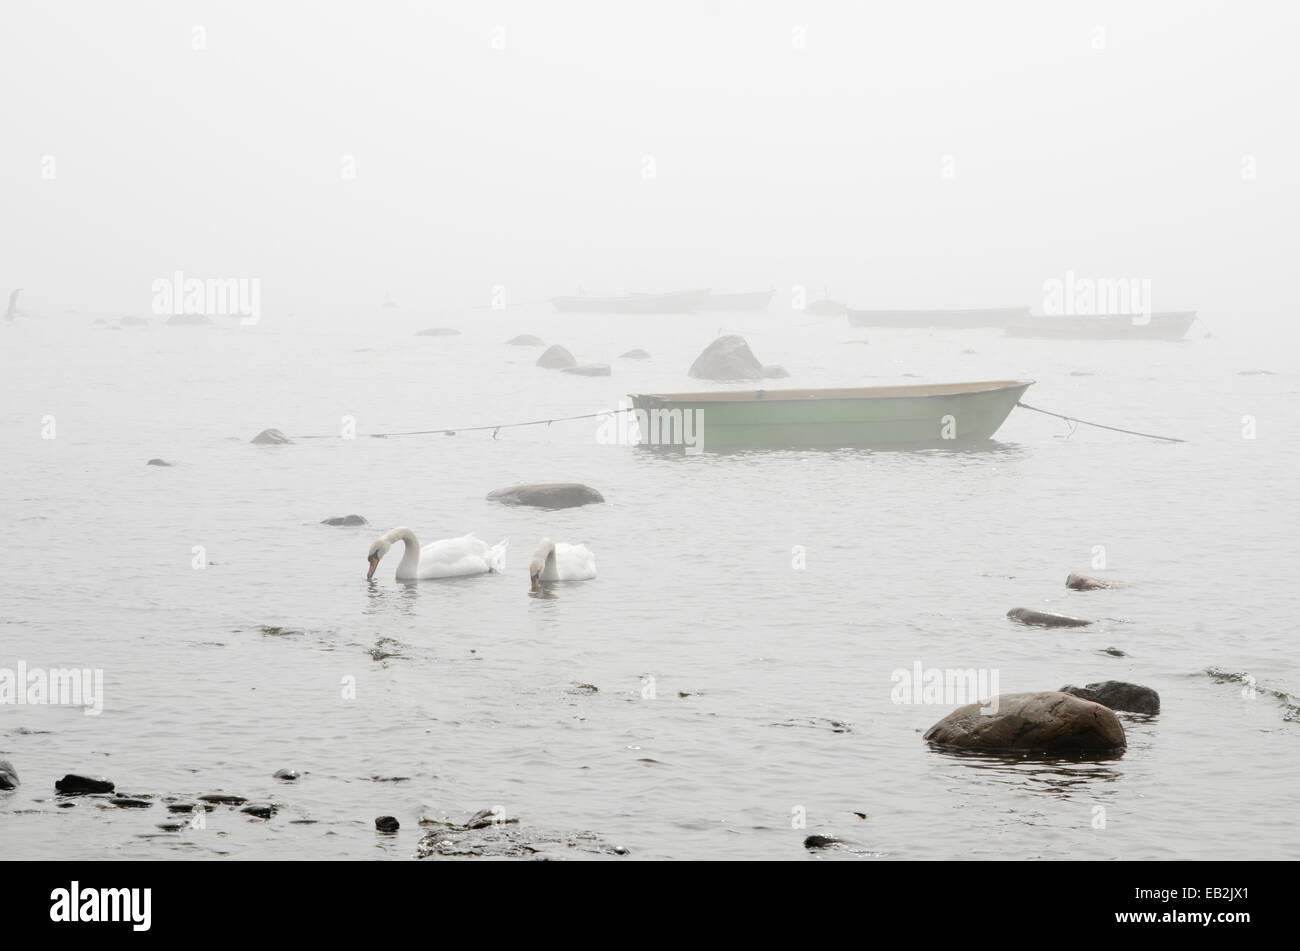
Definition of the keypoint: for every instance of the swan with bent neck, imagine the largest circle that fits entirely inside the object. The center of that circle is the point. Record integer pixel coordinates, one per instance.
(557, 561)
(447, 558)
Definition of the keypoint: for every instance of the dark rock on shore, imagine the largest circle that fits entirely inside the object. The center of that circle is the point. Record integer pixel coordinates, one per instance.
(556, 358)
(1049, 721)
(158, 462)
(387, 824)
(286, 775)
(547, 495)
(345, 520)
(637, 354)
(1118, 695)
(1085, 583)
(589, 369)
(75, 784)
(1043, 619)
(727, 358)
(526, 340)
(8, 775)
(271, 437)
(438, 332)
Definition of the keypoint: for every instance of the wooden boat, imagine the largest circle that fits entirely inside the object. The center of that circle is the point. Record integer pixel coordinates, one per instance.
(1171, 325)
(757, 300)
(682, 302)
(978, 317)
(937, 414)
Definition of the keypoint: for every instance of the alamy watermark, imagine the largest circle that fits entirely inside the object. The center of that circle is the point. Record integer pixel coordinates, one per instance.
(631, 426)
(209, 297)
(39, 686)
(1096, 297)
(954, 687)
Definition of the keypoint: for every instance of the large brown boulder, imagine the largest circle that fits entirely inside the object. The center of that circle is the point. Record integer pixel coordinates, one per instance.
(727, 358)
(1049, 721)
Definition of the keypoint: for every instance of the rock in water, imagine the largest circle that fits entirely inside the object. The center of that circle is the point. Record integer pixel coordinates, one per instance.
(775, 372)
(75, 784)
(1043, 619)
(387, 824)
(526, 340)
(727, 358)
(589, 369)
(637, 354)
(1084, 583)
(819, 841)
(189, 320)
(345, 520)
(271, 437)
(259, 810)
(8, 775)
(132, 321)
(439, 332)
(1046, 722)
(286, 775)
(158, 462)
(556, 358)
(1118, 696)
(552, 495)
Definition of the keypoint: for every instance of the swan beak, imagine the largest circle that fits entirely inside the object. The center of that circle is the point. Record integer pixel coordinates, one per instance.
(536, 582)
(374, 563)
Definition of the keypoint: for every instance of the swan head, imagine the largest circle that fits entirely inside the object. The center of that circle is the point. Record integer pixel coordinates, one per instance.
(377, 551)
(545, 551)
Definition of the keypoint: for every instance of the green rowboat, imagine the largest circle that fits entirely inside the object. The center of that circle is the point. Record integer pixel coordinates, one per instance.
(937, 414)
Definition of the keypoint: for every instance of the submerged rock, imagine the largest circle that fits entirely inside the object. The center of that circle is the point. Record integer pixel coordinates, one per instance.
(438, 332)
(636, 354)
(158, 462)
(259, 810)
(727, 358)
(1047, 721)
(819, 841)
(775, 371)
(526, 340)
(1043, 619)
(132, 321)
(8, 775)
(556, 358)
(345, 520)
(1114, 652)
(189, 320)
(387, 824)
(131, 802)
(1085, 583)
(547, 495)
(1118, 695)
(589, 369)
(75, 784)
(271, 437)
(221, 799)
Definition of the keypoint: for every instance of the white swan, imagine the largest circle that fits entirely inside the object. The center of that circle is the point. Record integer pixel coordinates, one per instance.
(448, 558)
(556, 561)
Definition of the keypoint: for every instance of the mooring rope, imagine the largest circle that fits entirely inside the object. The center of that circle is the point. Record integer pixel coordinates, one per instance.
(496, 428)
(1074, 419)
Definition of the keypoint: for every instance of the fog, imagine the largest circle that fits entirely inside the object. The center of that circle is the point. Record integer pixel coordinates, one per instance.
(910, 156)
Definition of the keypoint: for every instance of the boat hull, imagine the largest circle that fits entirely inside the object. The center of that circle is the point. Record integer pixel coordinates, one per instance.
(757, 300)
(894, 416)
(983, 317)
(684, 302)
(1166, 326)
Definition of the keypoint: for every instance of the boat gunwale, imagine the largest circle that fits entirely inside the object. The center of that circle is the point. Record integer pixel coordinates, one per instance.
(850, 394)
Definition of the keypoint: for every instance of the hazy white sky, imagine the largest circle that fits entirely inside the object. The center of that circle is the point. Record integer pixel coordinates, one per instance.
(506, 143)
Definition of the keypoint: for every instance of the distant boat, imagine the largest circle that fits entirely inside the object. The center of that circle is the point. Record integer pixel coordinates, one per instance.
(681, 302)
(755, 300)
(937, 414)
(1170, 325)
(979, 317)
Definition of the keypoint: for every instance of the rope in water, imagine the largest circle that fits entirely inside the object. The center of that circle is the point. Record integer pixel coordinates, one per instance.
(1073, 419)
(448, 431)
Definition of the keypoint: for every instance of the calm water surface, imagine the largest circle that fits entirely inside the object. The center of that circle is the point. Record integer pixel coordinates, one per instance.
(771, 685)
